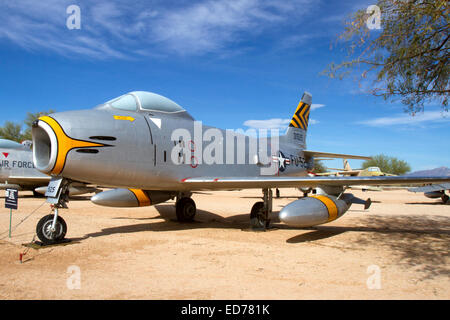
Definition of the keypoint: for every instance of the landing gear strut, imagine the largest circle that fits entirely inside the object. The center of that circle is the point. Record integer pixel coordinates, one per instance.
(259, 215)
(185, 208)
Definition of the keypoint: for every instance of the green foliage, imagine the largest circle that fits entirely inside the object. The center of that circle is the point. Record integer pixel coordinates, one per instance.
(31, 117)
(408, 58)
(319, 167)
(13, 131)
(387, 164)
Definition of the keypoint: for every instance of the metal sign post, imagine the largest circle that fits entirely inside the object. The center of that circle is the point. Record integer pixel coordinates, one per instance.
(11, 202)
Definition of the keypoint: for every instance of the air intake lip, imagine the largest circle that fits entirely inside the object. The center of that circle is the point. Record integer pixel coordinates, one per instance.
(45, 146)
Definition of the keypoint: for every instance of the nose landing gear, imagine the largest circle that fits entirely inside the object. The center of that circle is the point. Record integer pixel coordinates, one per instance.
(52, 228)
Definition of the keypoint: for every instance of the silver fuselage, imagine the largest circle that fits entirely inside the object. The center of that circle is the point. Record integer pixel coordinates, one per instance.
(118, 148)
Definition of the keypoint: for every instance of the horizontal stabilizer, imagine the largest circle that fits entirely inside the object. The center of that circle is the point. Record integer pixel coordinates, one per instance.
(334, 155)
(334, 173)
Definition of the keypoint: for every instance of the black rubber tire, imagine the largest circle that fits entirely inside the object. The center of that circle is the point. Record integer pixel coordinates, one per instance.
(45, 235)
(257, 218)
(185, 210)
(445, 198)
(277, 193)
(38, 195)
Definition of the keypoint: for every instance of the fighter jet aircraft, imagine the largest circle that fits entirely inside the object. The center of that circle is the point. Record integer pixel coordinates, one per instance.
(348, 171)
(17, 171)
(16, 168)
(150, 150)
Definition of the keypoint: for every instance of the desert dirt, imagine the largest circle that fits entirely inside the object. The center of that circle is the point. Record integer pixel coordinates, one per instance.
(398, 249)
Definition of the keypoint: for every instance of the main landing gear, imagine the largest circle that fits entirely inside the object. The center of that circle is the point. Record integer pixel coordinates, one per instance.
(259, 215)
(445, 199)
(185, 208)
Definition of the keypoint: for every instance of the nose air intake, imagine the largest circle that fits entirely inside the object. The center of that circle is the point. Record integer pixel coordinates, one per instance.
(45, 146)
(52, 145)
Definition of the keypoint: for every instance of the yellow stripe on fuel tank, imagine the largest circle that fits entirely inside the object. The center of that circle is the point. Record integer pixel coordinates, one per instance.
(331, 207)
(65, 144)
(142, 197)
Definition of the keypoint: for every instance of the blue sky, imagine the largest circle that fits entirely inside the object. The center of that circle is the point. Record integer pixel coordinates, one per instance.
(227, 62)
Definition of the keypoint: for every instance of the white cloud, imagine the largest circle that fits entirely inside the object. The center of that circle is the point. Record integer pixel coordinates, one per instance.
(315, 106)
(276, 123)
(406, 119)
(116, 29)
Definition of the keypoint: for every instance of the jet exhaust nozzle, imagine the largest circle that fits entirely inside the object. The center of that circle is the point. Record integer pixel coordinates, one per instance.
(124, 198)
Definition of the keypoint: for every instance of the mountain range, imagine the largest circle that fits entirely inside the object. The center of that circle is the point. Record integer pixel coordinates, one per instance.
(437, 172)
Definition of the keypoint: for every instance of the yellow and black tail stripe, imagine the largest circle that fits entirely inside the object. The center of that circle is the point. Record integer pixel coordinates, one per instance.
(301, 116)
(331, 207)
(65, 144)
(142, 197)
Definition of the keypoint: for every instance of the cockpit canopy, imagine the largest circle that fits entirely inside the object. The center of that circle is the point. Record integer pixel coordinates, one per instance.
(143, 100)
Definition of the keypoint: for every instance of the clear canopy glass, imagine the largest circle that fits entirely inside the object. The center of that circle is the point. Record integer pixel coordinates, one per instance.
(156, 102)
(125, 102)
(146, 100)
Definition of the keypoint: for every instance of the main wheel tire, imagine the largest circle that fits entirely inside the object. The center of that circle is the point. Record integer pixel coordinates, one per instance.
(277, 193)
(257, 217)
(185, 210)
(445, 198)
(44, 232)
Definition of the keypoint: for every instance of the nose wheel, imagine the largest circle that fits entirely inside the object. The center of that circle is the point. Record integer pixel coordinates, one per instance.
(50, 231)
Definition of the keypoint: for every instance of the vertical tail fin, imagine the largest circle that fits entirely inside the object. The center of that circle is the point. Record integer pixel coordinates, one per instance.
(298, 126)
(300, 118)
(346, 165)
